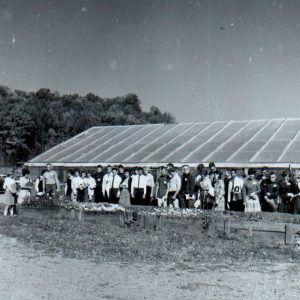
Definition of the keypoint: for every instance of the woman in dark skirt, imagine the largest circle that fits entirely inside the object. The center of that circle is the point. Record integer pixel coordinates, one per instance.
(287, 191)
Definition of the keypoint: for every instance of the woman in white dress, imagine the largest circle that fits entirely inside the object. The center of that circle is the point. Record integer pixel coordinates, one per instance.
(25, 187)
(251, 191)
(219, 191)
(10, 188)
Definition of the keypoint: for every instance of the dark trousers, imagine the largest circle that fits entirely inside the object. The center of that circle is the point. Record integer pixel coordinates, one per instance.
(98, 195)
(80, 195)
(147, 199)
(237, 205)
(138, 197)
(170, 200)
(181, 198)
(113, 195)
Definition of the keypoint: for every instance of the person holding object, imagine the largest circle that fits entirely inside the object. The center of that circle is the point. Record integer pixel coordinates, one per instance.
(251, 192)
(50, 181)
(138, 188)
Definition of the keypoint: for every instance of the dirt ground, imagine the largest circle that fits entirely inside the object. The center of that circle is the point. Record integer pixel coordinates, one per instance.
(68, 259)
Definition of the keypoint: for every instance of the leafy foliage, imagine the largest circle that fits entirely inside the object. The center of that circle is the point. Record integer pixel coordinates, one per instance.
(33, 122)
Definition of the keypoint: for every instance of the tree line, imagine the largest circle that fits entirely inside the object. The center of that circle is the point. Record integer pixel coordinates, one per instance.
(32, 122)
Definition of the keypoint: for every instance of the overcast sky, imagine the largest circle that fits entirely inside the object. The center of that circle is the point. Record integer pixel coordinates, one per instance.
(200, 60)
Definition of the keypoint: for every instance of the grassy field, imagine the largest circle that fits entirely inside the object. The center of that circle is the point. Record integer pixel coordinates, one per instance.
(45, 258)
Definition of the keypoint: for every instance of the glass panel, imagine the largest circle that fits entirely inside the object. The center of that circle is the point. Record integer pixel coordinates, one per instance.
(276, 145)
(173, 133)
(295, 146)
(267, 132)
(198, 157)
(90, 142)
(288, 131)
(190, 133)
(93, 147)
(291, 156)
(206, 134)
(221, 156)
(243, 156)
(268, 156)
(254, 146)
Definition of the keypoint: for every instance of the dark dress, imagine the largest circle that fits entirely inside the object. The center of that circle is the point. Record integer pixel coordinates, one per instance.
(98, 190)
(296, 200)
(286, 205)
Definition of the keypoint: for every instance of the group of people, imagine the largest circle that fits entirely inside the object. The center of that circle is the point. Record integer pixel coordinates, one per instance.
(208, 188)
(17, 190)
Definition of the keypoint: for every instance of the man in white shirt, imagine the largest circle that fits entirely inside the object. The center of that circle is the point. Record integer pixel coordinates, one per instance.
(77, 183)
(139, 188)
(235, 195)
(106, 183)
(91, 185)
(114, 191)
(150, 186)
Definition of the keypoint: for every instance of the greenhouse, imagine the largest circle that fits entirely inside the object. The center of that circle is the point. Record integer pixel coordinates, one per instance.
(274, 142)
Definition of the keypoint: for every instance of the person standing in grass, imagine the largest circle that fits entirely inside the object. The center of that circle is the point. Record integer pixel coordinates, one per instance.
(187, 190)
(125, 188)
(91, 185)
(10, 196)
(219, 192)
(235, 195)
(139, 187)
(99, 180)
(114, 191)
(50, 181)
(271, 192)
(251, 192)
(150, 186)
(25, 185)
(174, 187)
(296, 198)
(162, 188)
(287, 191)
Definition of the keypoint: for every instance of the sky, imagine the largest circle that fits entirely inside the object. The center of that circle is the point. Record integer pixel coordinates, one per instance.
(201, 60)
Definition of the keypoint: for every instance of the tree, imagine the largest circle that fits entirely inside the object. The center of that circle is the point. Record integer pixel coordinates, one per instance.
(33, 122)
